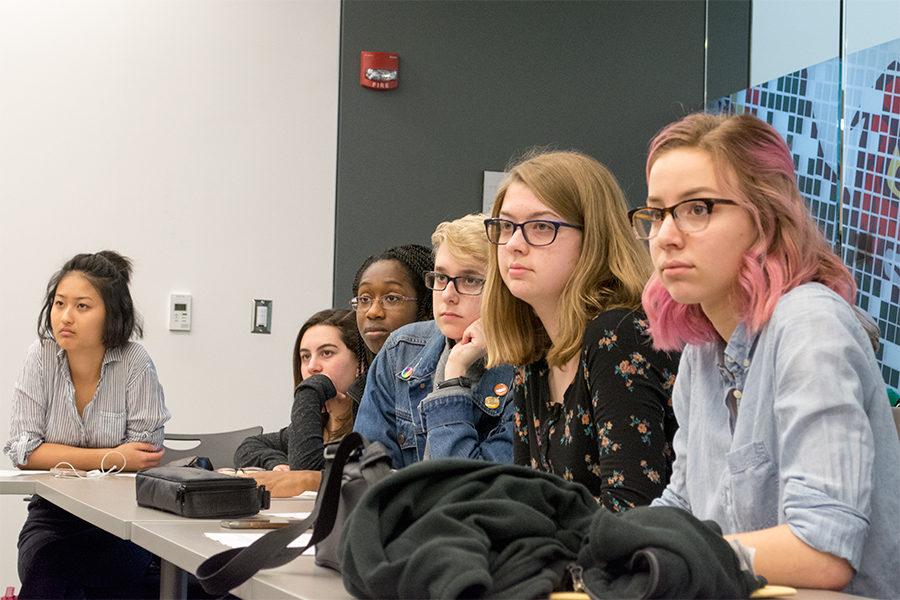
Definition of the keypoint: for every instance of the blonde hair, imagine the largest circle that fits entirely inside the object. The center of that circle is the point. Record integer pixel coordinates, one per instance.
(464, 238)
(611, 271)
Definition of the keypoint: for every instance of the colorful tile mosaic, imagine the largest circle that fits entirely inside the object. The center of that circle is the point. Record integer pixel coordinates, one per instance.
(852, 188)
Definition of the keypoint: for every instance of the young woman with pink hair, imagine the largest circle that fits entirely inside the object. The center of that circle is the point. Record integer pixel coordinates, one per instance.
(786, 438)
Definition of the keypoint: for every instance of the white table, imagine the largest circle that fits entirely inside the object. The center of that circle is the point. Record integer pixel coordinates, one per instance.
(181, 544)
(186, 546)
(23, 484)
(110, 504)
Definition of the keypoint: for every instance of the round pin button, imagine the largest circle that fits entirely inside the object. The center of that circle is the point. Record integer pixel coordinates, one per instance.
(406, 373)
(492, 402)
(500, 389)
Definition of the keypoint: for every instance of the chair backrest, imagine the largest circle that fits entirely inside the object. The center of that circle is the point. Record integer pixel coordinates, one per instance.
(896, 411)
(218, 447)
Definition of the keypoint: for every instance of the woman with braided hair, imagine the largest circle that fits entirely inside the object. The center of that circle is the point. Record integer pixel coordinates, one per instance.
(90, 398)
(389, 292)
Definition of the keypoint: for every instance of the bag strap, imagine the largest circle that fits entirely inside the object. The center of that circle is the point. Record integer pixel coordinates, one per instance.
(226, 570)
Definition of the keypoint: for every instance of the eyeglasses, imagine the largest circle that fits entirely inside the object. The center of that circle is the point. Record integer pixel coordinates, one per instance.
(468, 285)
(389, 301)
(538, 232)
(690, 216)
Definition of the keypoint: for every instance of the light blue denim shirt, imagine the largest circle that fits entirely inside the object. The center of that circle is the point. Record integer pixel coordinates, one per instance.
(793, 426)
(402, 410)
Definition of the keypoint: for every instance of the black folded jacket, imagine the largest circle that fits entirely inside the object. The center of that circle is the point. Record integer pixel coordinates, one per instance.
(455, 528)
(661, 552)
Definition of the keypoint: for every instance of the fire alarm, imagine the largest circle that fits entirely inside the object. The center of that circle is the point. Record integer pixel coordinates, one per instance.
(378, 70)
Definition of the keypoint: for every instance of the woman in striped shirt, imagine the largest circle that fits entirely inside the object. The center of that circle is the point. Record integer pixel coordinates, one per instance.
(88, 397)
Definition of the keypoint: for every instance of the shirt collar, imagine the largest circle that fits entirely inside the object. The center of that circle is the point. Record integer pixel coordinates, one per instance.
(737, 355)
(111, 355)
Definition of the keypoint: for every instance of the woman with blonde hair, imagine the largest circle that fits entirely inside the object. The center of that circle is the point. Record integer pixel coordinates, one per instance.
(428, 394)
(562, 300)
(787, 441)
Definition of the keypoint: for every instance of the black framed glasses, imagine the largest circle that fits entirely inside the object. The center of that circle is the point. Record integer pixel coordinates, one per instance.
(364, 302)
(537, 232)
(468, 285)
(690, 216)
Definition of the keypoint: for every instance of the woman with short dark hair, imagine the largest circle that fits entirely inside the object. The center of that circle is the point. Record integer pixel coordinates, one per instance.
(329, 374)
(89, 398)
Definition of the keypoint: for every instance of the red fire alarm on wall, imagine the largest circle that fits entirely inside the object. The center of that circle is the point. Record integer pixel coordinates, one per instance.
(379, 70)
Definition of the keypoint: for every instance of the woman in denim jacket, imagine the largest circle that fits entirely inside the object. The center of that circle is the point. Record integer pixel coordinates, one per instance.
(428, 394)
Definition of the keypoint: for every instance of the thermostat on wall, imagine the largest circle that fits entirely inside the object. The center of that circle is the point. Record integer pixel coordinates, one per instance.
(179, 312)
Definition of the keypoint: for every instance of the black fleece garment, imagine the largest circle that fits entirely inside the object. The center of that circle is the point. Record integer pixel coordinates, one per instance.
(661, 552)
(300, 444)
(455, 528)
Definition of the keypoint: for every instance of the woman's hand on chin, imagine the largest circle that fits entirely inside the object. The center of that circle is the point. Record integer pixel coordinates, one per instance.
(467, 350)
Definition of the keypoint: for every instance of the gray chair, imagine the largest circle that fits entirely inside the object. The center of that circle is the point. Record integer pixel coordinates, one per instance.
(218, 447)
(896, 411)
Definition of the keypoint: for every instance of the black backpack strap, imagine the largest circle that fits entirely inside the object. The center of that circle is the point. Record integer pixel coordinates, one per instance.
(226, 570)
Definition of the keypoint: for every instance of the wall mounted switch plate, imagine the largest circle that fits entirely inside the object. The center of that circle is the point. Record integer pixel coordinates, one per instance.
(262, 317)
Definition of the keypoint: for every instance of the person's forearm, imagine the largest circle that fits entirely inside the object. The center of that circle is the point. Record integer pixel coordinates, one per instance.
(784, 559)
(305, 442)
(265, 450)
(47, 456)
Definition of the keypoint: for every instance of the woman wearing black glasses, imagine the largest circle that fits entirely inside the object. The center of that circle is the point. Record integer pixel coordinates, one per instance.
(562, 301)
(428, 393)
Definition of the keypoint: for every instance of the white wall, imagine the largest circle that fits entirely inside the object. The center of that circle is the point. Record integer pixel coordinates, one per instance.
(199, 138)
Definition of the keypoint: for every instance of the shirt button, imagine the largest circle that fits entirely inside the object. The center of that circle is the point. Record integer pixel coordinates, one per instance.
(738, 394)
(401, 438)
(746, 362)
(421, 386)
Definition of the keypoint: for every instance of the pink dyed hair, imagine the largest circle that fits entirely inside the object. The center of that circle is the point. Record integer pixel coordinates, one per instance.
(790, 249)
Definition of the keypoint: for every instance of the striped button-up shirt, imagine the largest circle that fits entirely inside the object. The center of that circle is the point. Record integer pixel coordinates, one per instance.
(128, 405)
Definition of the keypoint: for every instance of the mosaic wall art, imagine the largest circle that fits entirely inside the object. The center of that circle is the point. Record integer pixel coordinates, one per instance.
(852, 186)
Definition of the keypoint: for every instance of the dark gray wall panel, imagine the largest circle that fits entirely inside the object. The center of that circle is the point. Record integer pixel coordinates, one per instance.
(480, 82)
(728, 57)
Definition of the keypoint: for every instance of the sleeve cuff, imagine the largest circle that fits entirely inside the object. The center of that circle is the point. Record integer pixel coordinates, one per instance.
(826, 524)
(320, 384)
(670, 498)
(19, 450)
(447, 406)
(156, 437)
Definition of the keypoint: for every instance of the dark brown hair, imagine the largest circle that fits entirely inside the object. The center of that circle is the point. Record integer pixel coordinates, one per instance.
(345, 322)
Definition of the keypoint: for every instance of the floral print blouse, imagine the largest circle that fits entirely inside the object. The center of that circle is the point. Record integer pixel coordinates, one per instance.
(613, 431)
